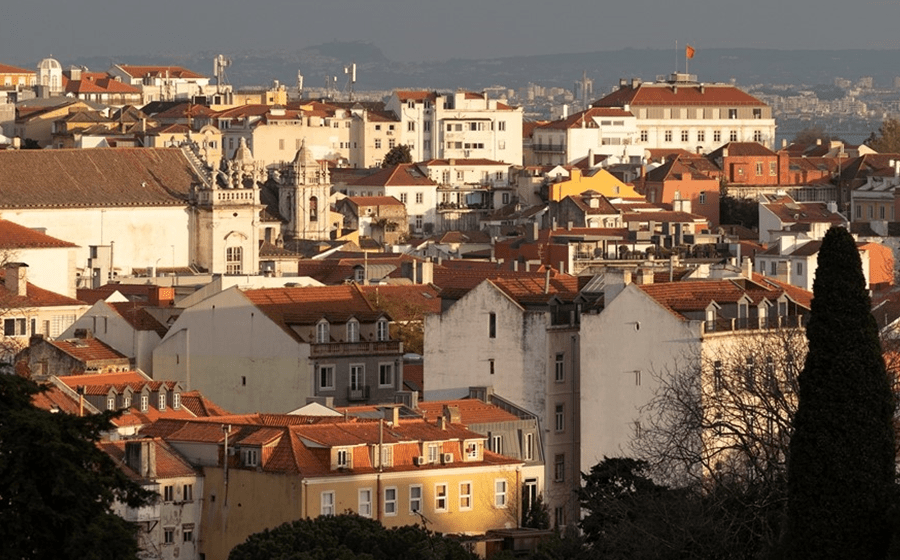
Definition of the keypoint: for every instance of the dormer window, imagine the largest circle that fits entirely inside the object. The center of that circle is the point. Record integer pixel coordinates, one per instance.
(126, 401)
(322, 332)
(250, 457)
(343, 460)
(162, 401)
(473, 451)
(381, 331)
(176, 401)
(110, 403)
(145, 403)
(352, 330)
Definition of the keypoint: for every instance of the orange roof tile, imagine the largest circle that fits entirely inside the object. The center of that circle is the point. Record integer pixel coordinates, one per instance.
(88, 349)
(159, 72)
(684, 94)
(14, 236)
(472, 411)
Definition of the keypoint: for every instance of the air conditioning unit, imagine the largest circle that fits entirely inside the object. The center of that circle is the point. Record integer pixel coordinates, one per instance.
(447, 458)
(419, 461)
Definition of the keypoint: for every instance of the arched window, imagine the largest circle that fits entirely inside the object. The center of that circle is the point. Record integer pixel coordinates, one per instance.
(313, 209)
(234, 259)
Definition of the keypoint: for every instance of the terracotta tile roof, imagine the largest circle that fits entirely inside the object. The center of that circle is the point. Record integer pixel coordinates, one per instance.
(646, 94)
(159, 72)
(53, 398)
(201, 406)
(374, 201)
(307, 305)
(34, 296)
(525, 290)
(88, 349)
(183, 110)
(403, 175)
(586, 118)
(252, 110)
(404, 303)
(14, 236)
(137, 316)
(7, 69)
(741, 149)
(603, 204)
(696, 295)
(455, 236)
(406, 95)
(136, 292)
(664, 216)
(472, 411)
(464, 162)
(98, 82)
(115, 177)
(804, 212)
(676, 170)
(169, 463)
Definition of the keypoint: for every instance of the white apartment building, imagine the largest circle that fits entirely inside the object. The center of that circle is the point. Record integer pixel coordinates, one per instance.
(458, 125)
(598, 131)
(682, 113)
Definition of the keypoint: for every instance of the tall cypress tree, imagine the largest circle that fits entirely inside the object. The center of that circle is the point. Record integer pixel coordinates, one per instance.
(841, 464)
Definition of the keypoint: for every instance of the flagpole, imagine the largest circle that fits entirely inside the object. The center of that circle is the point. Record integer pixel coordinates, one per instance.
(676, 56)
(686, 62)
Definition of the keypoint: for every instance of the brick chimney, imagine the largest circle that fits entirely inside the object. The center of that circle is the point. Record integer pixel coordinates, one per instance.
(16, 280)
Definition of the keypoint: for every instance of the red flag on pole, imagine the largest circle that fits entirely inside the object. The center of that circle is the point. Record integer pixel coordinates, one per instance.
(689, 52)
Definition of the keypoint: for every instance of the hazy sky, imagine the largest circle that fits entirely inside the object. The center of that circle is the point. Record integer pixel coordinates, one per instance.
(413, 30)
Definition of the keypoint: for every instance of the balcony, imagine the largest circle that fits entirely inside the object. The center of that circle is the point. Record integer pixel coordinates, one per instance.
(142, 514)
(358, 394)
(334, 349)
(723, 324)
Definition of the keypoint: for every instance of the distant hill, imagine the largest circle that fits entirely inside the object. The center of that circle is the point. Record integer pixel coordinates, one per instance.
(377, 72)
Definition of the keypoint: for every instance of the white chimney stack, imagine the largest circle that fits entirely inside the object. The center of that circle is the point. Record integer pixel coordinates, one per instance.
(16, 280)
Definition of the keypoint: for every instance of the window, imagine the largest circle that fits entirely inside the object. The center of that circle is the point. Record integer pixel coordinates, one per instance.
(385, 375)
(717, 136)
(411, 126)
(187, 533)
(357, 377)
(559, 467)
(491, 366)
(14, 327)
(281, 143)
(110, 403)
(773, 268)
(168, 493)
(387, 456)
(234, 257)
(560, 367)
(528, 447)
(501, 125)
(169, 535)
(773, 170)
(472, 449)
(637, 378)
(343, 458)
(313, 209)
(251, 457)
(799, 269)
(390, 501)
(419, 198)
(668, 136)
(145, 402)
(684, 136)
(757, 113)
(420, 220)
(326, 377)
(505, 198)
(352, 330)
(381, 330)
(327, 507)
(500, 493)
(759, 168)
(560, 418)
(702, 197)
(392, 143)
(497, 444)
(644, 136)
(415, 498)
(403, 198)
(732, 113)
(733, 136)
(757, 135)
(187, 493)
(378, 143)
(322, 334)
(559, 515)
(492, 325)
(717, 376)
(440, 497)
(465, 495)
(162, 401)
(365, 502)
(750, 374)
(701, 136)
(176, 401)
(434, 452)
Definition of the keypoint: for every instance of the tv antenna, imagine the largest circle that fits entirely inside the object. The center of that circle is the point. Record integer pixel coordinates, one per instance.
(219, 65)
(351, 78)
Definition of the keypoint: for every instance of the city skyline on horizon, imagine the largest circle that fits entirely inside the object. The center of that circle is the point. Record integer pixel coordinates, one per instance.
(407, 31)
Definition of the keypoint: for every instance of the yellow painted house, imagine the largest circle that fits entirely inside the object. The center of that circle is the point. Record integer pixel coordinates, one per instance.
(263, 470)
(598, 180)
(11, 76)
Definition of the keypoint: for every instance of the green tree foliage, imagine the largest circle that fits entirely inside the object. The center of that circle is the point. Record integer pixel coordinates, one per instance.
(57, 486)
(397, 155)
(811, 134)
(348, 537)
(738, 211)
(841, 464)
(536, 515)
(887, 140)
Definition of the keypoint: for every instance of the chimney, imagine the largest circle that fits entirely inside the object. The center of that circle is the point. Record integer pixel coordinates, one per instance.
(451, 414)
(747, 268)
(725, 152)
(140, 456)
(615, 280)
(17, 278)
(547, 282)
(784, 143)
